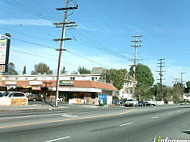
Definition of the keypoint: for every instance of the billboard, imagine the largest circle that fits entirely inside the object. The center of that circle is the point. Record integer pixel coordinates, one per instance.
(3, 49)
(4, 54)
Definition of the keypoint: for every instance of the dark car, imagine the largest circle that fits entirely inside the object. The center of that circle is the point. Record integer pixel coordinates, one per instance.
(34, 97)
(142, 103)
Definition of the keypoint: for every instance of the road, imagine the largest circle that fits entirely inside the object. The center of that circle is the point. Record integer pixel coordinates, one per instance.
(139, 124)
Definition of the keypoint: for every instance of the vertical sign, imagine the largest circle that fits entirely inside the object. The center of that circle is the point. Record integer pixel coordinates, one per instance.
(3, 48)
(4, 54)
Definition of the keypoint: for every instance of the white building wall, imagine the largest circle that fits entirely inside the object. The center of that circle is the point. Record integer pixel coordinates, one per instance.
(89, 77)
(125, 91)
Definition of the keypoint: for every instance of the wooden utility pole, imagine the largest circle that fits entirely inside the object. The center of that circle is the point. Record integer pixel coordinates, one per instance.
(182, 73)
(63, 26)
(136, 41)
(161, 76)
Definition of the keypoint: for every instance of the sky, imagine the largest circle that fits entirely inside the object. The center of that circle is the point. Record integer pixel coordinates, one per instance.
(103, 36)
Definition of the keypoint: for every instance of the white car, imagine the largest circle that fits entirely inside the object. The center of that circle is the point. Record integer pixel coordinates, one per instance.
(131, 102)
(150, 102)
(13, 98)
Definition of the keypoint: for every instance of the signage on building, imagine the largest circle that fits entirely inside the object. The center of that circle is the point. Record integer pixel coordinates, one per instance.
(35, 83)
(66, 83)
(10, 82)
(36, 88)
(4, 54)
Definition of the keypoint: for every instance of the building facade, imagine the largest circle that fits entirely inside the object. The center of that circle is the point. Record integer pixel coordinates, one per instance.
(85, 87)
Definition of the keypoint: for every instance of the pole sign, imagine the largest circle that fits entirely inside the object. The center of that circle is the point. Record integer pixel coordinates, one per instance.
(4, 54)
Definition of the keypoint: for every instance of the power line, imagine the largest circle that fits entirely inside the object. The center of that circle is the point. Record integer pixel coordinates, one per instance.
(24, 34)
(45, 57)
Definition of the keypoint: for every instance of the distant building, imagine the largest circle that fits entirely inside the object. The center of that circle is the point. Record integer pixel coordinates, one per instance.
(126, 91)
(98, 70)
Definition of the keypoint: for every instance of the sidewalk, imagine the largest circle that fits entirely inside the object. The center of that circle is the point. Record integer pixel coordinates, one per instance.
(28, 107)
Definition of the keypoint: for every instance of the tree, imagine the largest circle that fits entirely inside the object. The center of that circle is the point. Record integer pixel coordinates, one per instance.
(167, 92)
(11, 69)
(42, 68)
(187, 89)
(24, 70)
(117, 77)
(83, 70)
(178, 92)
(144, 80)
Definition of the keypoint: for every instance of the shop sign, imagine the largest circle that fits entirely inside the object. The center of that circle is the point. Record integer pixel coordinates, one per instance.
(66, 83)
(36, 88)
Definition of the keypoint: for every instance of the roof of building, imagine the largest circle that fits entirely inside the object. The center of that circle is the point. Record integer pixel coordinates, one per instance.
(76, 83)
(95, 84)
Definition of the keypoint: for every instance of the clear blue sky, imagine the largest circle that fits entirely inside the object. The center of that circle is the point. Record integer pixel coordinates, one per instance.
(103, 36)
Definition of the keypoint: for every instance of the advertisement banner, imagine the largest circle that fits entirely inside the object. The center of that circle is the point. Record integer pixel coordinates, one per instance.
(19, 101)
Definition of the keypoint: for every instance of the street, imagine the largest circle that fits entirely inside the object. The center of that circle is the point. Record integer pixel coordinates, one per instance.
(87, 124)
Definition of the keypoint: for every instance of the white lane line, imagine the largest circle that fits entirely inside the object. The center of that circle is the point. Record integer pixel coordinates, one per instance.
(68, 115)
(178, 111)
(169, 113)
(155, 117)
(58, 139)
(28, 116)
(126, 124)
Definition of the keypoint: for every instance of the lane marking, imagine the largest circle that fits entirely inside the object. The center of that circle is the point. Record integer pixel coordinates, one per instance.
(68, 115)
(155, 117)
(62, 120)
(126, 124)
(169, 113)
(58, 139)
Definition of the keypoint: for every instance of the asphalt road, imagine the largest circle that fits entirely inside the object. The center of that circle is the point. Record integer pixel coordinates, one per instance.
(96, 124)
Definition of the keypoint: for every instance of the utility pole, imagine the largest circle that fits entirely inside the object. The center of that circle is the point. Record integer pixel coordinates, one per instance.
(182, 73)
(63, 26)
(136, 41)
(161, 76)
(175, 81)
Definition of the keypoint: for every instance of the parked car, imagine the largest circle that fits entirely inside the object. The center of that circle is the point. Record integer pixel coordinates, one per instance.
(150, 102)
(183, 103)
(35, 97)
(131, 102)
(1, 94)
(142, 103)
(13, 94)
